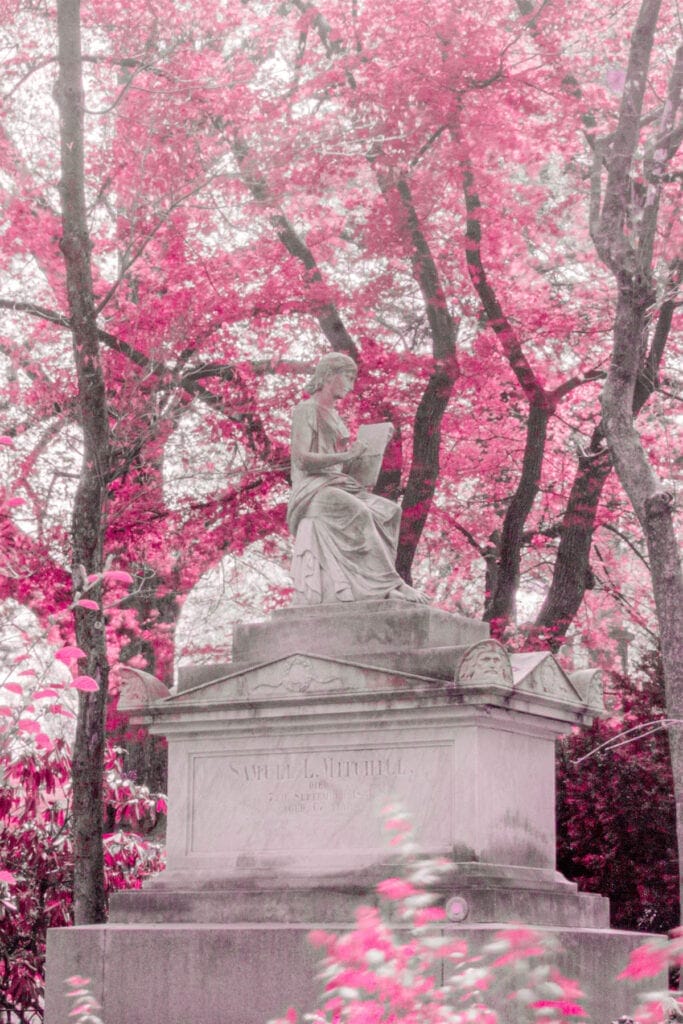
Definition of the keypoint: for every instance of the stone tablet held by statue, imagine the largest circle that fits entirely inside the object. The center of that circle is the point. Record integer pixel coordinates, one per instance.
(366, 467)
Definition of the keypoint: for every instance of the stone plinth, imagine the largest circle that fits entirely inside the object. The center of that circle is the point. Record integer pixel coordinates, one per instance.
(279, 766)
(282, 766)
(227, 974)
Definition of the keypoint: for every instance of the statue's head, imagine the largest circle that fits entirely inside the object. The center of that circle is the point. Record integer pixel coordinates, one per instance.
(333, 362)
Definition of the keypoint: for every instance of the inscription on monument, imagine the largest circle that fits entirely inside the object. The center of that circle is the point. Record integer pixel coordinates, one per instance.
(263, 801)
(318, 767)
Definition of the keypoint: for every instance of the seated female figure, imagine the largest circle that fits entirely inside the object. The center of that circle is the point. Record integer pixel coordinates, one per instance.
(345, 537)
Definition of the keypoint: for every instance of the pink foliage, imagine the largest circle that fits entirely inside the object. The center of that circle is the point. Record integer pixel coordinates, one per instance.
(646, 961)
(35, 841)
(383, 974)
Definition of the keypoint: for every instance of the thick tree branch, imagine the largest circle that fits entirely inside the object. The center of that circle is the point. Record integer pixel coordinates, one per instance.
(572, 563)
(424, 469)
(497, 319)
(501, 603)
(614, 247)
(325, 312)
(633, 272)
(166, 376)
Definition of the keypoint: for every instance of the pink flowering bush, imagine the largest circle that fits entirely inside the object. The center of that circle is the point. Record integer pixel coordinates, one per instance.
(398, 965)
(389, 968)
(36, 858)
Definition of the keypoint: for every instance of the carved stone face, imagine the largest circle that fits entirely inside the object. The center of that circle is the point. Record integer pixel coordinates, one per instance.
(487, 662)
(339, 384)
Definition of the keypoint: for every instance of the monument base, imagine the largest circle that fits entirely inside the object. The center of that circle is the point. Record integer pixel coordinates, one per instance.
(281, 766)
(483, 893)
(248, 974)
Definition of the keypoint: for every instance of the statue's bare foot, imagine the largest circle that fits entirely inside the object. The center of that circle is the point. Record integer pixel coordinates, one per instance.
(405, 593)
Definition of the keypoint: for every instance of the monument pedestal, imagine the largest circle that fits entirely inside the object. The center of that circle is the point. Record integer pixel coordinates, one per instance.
(279, 767)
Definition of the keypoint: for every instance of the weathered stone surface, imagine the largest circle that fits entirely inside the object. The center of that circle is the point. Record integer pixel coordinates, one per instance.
(172, 974)
(222, 974)
(352, 629)
(491, 893)
(285, 767)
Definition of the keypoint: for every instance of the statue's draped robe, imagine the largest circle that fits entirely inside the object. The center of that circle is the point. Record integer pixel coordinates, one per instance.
(345, 538)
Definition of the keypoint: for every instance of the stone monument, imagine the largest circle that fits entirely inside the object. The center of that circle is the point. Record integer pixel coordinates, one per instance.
(281, 761)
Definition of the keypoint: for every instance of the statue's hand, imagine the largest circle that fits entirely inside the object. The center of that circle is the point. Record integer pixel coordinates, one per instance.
(357, 449)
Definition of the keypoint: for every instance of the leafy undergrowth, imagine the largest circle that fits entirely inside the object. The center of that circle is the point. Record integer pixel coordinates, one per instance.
(389, 969)
(36, 854)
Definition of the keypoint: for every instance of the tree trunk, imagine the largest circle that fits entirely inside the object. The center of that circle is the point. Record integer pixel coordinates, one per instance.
(500, 608)
(88, 520)
(424, 469)
(572, 562)
(443, 328)
(654, 508)
(629, 255)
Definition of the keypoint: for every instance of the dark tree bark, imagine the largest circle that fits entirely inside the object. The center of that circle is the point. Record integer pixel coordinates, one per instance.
(326, 313)
(625, 244)
(424, 468)
(572, 572)
(501, 604)
(500, 600)
(89, 512)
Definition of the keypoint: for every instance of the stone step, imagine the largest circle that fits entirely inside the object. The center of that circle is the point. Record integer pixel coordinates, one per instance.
(353, 629)
(476, 893)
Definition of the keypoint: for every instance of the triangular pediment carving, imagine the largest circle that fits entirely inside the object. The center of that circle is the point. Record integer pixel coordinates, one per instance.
(297, 675)
(537, 672)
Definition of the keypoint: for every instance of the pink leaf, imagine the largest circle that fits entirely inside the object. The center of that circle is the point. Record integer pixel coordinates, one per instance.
(429, 914)
(43, 741)
(68, 654)
(93, 577)
(563, 1006)
(47, 692)
(6, 876)
(57, 709)
(118, 575)
(396, 888)
(14, 502)
(14, 688)
(646, 962)
(85, 602)
(28, 725)
(85, 683)
(6, 711)
(4, 439)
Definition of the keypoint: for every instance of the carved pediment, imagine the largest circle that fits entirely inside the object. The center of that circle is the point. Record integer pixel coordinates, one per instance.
(291, 676)
(139, 689)
(487, 665)
(588, 682)
(537, 672)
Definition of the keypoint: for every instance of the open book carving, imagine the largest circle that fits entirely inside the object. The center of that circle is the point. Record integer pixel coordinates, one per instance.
(365, 469)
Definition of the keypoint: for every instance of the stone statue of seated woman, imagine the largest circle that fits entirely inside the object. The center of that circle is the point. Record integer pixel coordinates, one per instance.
(345, 537)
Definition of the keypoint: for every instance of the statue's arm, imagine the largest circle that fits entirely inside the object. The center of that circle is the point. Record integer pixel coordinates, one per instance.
(302, 442)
